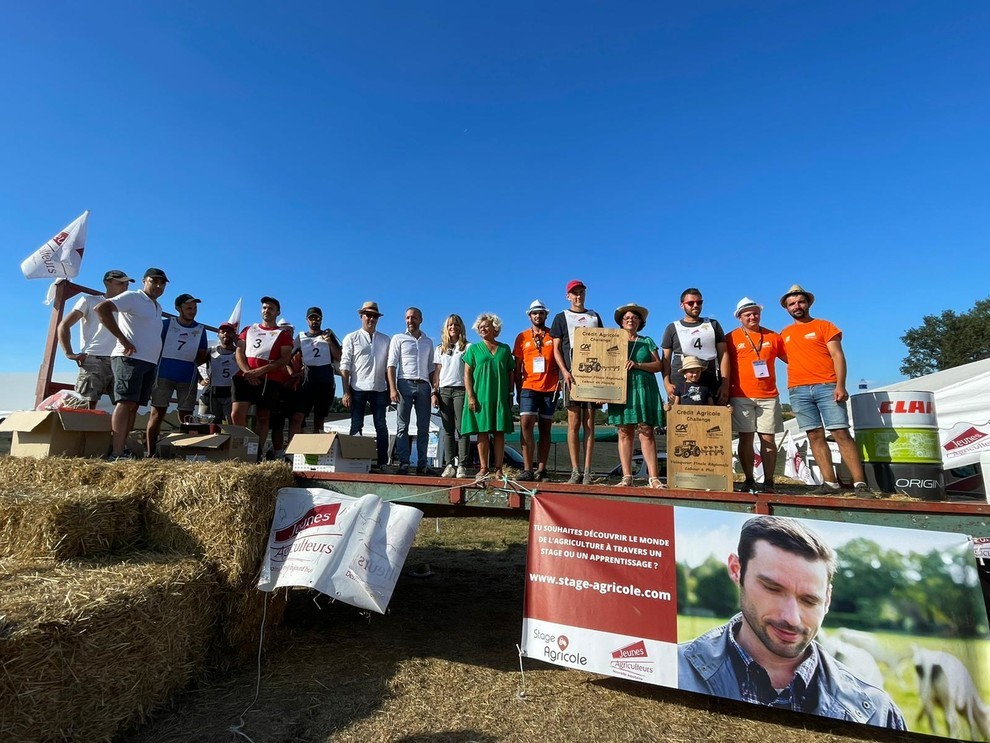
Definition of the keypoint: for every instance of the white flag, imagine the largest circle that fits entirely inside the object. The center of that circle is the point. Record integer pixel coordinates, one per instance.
(235, 316)
(59, 258)
(796, 466)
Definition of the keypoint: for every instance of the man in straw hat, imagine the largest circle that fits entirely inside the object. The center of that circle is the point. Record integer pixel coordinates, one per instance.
(816, 381)
(579, 414)
(537, 379)
(754, 350)
(364, 377)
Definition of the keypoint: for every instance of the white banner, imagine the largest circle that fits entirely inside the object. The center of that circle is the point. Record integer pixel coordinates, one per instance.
(60, 257)
(351, 549)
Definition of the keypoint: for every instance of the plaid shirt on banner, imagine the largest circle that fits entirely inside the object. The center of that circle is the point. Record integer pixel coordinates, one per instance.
(755, 681)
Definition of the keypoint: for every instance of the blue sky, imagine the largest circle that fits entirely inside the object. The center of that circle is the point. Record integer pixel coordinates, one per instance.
(465, 157)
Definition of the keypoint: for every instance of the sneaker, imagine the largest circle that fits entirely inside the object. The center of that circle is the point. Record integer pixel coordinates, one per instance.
(125, 457)
(402, 469)
(766, 487)
(862, 490)
(586, 480)
(541, 475)
(424, 471)
(827, 488)
(748, 486)
(449, 471)
(461, 471)
(525, 476)
(575, 477)
(386, 469)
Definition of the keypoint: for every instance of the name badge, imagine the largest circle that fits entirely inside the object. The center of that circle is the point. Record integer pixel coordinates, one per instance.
(539, 365)
(760, 369)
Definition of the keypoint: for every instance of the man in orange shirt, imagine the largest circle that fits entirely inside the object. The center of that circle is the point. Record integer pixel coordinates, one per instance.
(753, 351)
(816, 380)
(536, 386)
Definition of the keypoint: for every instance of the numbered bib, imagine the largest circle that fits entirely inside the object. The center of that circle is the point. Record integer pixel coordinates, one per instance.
(697, 340)
(260, 342)
(181, 342)
(315, 350)
(222, 368)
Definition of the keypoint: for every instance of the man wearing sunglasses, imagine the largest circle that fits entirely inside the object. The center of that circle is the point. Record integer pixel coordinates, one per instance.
(701, 337)
(536, 386)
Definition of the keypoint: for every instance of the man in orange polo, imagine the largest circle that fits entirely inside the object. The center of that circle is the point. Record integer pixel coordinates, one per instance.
(536, 387)
(753, 351)
(816, 381)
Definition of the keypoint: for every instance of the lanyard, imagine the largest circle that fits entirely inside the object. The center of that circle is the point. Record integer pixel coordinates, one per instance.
(756, 348)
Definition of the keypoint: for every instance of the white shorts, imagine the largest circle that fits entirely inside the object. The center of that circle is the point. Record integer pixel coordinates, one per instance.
(756, 414)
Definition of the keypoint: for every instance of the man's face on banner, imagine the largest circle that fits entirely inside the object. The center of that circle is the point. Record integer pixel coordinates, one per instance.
(783, 598)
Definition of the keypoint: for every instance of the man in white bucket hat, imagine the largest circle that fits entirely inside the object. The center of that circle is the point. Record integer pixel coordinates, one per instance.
(537, 379)
(753, 351)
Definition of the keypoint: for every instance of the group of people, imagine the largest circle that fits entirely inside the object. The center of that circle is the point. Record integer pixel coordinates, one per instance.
(129, 351)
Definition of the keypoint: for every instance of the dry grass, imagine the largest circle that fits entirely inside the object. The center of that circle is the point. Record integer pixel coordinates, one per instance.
(86, 646)
(443, 666)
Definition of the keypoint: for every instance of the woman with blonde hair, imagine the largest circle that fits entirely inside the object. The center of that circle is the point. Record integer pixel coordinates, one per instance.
(448, 395)
(488, 382)
(641, 411)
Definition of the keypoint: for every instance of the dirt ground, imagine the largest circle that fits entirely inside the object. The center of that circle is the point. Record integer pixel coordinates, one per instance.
(443, 666)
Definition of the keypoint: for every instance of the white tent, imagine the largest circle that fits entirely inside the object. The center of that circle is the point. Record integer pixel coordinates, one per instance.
(434, 450)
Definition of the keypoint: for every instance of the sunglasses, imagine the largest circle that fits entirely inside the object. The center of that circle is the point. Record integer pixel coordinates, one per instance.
(695, 303)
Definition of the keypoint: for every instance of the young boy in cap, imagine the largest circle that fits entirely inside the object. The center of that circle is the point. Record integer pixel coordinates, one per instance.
(692, 391)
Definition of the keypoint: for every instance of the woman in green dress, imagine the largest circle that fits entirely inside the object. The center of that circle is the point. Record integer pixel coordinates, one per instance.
(488, 383)
(641, 411)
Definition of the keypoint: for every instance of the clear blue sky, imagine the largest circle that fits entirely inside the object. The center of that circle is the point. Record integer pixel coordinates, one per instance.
(474, 156)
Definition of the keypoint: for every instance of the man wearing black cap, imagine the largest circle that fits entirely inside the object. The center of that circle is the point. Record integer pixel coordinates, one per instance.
(183, 347)
(95, 342)
(263, 354)
(134, 318)
(319, 351)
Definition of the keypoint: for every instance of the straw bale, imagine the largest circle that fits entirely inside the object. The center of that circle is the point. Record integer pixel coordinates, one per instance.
(88, 646)
(239, 630)
(141, 477)
(65, 525)
(222, 511)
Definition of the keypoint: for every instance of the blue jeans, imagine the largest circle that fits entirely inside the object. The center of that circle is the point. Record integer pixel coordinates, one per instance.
(451, 411)
(413, 393)
(379, 404)
(814, 406)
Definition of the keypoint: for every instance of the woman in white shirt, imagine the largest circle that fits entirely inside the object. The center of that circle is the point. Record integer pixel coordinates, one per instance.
(448, 396)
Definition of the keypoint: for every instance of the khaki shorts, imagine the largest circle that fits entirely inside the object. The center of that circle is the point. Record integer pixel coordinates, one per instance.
(185, 394)
(95, 378)
(756, 414)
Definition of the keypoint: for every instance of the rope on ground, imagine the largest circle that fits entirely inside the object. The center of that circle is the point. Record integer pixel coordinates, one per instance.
(521, 694)
(236, 729)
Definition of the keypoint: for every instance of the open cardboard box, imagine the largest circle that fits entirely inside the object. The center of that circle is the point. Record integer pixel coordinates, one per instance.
(58, 433)
(331, 452)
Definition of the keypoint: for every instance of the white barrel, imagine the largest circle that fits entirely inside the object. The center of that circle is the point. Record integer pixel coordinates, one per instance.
(901, 409)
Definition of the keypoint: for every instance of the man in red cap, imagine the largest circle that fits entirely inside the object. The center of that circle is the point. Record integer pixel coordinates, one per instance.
(220, 369)
(579, 414)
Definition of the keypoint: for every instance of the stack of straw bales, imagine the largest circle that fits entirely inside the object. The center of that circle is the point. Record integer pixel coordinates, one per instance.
(121, 583)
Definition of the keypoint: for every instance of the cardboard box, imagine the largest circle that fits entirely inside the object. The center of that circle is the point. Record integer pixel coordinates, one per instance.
(233, 442)
(332, 452)
(54, 433)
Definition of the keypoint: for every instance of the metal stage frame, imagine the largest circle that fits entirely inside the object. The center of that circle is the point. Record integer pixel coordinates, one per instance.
(438, 497)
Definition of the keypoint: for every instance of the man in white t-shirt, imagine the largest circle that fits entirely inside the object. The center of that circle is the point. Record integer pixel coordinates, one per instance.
(363, 365)
(579, 414)
(134, 318)
(95, 342)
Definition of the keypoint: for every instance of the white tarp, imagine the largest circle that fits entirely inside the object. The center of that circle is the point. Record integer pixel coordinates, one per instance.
(434, 449)
(351, 549)
(962, 404)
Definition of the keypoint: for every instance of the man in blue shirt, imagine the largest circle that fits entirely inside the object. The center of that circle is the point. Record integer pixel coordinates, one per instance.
(183, 349)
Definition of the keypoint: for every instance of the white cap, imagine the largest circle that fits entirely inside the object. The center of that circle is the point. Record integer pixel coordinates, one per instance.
(744, 304)
(537, 306)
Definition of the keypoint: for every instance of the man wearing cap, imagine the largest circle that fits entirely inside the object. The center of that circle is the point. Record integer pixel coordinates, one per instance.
(701, 337)
(220, 367)
(263, 354)
(364, 377)
(816, 382)
(537, 379)
(579, 414)
(183, 347)
(753, 351)
(95, 342)
(134, 318)
(318, 350)
(411, 379)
